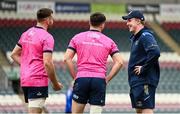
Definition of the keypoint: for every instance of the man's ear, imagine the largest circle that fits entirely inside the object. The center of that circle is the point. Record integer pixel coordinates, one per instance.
(89, 23)
(102, 26)
(139, 21)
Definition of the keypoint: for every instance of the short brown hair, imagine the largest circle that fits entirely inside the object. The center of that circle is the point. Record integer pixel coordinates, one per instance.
(143, 22)
(43, 13)
(97, 19)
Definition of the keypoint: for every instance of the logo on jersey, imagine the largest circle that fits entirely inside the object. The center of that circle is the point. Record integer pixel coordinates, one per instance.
(137, 42)
(31, 33)
(28, 38)
(94, 35)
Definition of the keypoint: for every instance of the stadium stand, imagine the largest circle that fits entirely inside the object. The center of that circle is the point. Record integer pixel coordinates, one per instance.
(3, 80)
(63, 31)
(11, 103)
(173, 29)
(169, 81)
(117, 99)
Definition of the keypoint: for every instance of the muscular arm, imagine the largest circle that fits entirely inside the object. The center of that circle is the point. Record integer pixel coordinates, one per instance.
(16, 54)
(68, 60)
(49, 66)
(118, 63)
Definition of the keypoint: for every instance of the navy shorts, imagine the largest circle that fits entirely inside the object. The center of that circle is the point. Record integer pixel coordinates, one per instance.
(89, 90)
(35, 92)
(143, 96)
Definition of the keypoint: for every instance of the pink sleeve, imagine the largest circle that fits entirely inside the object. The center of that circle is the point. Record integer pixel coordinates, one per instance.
(72, 44)
(114, 49)
(48, 44)
(20, 41)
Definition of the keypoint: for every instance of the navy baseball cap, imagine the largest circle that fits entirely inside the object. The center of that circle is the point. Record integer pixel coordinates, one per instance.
(134, 14)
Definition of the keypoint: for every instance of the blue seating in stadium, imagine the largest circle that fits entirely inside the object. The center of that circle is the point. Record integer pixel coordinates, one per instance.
(169, 81)
(173, 28)
(175, 33)
(63, 31)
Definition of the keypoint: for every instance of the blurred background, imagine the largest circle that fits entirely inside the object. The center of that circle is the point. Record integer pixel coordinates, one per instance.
(71, 17)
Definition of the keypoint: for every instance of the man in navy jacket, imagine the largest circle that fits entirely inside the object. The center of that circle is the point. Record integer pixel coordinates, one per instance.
(143, 67)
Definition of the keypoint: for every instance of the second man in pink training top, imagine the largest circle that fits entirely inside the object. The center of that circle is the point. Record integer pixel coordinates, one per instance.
(92, 49)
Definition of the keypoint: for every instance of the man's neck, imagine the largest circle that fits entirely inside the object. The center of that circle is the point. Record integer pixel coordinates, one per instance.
(42, 25)
(138, 29)
(95, 28)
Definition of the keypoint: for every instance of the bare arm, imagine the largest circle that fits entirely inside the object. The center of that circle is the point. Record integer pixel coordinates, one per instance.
(49, 66)
(118, 63)
(16, 54)
(68, 60)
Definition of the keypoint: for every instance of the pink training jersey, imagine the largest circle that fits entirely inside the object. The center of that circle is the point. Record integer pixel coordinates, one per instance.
(34, 42)
(92, 48)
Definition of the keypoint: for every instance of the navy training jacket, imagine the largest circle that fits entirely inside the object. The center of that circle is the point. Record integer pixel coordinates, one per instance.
(144, 52)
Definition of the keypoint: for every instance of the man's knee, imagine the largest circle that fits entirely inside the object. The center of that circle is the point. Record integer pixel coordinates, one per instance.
(139, 111)
(144, 111)
(147, 111)
(36, 105)
(77, 107)
(94, 109)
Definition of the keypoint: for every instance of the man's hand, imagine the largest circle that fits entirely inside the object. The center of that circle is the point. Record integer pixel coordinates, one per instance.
(57, 86)
(137, 70)
(107, 80)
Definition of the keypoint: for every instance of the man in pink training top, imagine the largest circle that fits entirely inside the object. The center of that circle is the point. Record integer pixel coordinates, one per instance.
(33, 53)
(92, 49)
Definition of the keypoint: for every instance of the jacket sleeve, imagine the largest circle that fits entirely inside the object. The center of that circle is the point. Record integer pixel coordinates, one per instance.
(152, 49)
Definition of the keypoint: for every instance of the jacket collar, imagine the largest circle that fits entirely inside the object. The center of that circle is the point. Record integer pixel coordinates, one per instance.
(134, 37)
